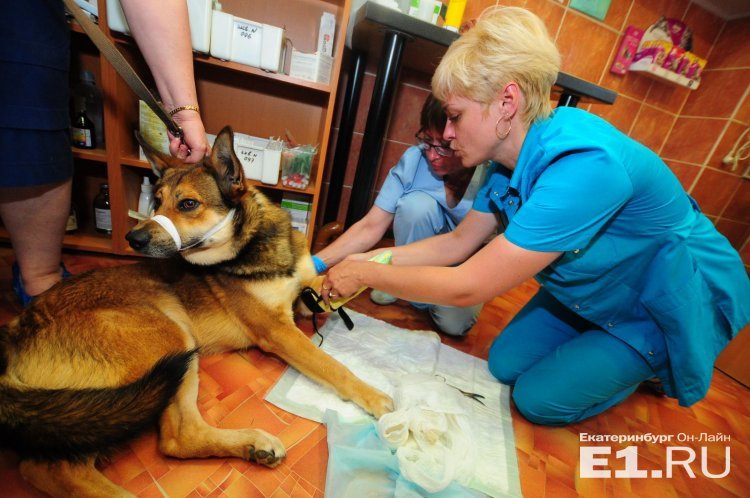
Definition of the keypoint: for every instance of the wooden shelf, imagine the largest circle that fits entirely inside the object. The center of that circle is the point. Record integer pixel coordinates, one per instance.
(251, 100)
(658, 72)
(79, 240)
(99, 155)
(242, 68)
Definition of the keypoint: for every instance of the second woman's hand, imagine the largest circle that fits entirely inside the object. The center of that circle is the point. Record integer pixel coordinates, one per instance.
(343, 280)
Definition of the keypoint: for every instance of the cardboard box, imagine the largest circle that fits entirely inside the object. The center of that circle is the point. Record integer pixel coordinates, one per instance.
(299, 207)
(311, 67)
(326, 33)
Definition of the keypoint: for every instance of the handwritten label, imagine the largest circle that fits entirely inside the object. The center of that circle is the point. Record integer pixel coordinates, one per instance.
(245, 30)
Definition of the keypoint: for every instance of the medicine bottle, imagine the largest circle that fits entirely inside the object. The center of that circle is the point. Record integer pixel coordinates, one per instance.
(82, 132)
(103, 211)
(146, 199)
(86, 95)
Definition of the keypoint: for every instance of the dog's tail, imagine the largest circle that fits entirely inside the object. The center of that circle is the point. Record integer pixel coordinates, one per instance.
(66, 424)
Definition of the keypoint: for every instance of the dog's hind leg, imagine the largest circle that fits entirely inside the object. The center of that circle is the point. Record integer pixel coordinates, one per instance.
(184, 434)
(65, 479)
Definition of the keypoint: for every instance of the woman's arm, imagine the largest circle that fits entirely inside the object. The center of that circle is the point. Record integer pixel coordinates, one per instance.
(162, 31)
(495, 269)
(445, 249)
(360, 237)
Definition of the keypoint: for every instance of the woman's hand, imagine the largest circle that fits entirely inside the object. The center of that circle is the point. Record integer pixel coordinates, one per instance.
(194, 134)
(344, 280)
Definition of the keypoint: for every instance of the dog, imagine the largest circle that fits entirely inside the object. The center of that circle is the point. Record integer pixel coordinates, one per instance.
(103, 356)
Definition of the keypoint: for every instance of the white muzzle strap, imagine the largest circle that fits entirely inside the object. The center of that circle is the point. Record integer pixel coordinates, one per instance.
(167, 225)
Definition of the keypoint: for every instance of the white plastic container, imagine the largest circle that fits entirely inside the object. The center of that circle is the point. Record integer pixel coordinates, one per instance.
(272, 162)
(250, 151)
(200, 13)
(272, 48)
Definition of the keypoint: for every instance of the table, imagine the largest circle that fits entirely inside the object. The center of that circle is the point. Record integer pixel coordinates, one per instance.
(376, 30)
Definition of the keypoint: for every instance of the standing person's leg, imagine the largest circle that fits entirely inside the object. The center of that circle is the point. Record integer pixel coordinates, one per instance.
(563, 368)
(35, 218)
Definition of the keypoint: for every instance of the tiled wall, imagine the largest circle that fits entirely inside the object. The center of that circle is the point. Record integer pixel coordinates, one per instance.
(692, 130)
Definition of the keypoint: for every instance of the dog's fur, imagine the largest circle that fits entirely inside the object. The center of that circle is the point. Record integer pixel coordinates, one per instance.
(101, 356)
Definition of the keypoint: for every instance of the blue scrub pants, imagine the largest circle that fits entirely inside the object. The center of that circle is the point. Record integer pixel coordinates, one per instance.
(419, 216)
(563, 368)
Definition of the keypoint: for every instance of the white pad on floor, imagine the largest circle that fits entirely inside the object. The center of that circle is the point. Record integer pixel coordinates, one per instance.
(383, 356)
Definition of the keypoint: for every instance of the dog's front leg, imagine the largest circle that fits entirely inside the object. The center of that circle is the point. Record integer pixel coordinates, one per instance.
(291, 344)
(184, 434)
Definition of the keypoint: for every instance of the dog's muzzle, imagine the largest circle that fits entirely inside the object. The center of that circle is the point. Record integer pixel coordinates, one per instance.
(139, 239)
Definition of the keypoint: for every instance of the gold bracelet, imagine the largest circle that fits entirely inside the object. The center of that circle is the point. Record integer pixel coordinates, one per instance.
(185, 108)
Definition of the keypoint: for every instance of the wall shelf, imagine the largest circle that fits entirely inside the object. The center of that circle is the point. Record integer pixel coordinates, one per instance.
(661, 74)
(251, 100)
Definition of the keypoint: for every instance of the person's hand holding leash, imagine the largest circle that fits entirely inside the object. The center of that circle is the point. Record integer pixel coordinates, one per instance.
(194, 145)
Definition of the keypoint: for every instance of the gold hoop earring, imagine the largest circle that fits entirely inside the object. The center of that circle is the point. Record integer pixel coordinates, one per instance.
(507, 132)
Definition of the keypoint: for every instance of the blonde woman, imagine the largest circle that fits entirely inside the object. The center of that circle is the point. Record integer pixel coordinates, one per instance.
(636, 281)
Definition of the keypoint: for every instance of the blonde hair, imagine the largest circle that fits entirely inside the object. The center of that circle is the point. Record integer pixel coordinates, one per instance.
(506, 44)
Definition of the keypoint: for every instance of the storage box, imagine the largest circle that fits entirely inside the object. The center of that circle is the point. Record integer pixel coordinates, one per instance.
(299, 207)
(296, 166)
(199, 12)
(260, 157)
(627, 51)
(247, 42)
(311, 67)
(326, 33)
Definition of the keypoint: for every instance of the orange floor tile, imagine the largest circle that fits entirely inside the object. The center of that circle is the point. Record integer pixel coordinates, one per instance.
(233, 386)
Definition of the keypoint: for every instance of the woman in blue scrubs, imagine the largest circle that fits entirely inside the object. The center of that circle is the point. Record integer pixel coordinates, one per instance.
(427, 193)
(636, 282)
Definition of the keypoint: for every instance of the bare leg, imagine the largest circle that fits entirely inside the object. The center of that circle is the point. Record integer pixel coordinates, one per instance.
(65, 479)
(35, 218)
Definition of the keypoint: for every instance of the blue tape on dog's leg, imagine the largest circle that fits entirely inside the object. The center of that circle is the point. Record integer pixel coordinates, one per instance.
(320, 266)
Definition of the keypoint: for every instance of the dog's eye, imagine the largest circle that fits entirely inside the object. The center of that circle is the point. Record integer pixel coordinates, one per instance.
(188, 204)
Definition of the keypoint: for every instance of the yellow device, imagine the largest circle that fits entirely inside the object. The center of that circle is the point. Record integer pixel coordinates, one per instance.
(317, 283)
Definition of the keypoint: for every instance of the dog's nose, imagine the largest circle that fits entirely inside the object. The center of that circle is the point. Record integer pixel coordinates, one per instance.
(138, 239)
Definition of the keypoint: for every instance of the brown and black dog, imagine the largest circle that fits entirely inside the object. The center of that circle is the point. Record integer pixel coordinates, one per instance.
(104, 355)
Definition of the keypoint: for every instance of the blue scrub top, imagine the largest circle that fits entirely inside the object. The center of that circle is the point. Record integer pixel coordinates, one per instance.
(639, 258)
(413, 173)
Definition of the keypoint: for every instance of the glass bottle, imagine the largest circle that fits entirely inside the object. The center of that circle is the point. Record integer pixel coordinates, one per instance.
(103, 211)
(82, 131)
(86, 95)
(72, 223)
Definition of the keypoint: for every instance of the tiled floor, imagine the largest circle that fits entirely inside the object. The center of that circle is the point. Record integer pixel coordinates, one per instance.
(233, 386)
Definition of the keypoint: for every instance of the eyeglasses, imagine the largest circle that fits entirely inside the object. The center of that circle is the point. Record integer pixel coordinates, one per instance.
(442, 149)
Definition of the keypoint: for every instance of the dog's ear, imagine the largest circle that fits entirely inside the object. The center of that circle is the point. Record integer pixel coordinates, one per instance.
(155, 158)
(225, 162)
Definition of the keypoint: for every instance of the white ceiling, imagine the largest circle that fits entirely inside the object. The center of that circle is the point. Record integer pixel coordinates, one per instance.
(726, 9)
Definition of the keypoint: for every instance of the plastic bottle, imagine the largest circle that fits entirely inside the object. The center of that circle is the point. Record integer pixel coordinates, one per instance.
(454, 15)
(103, 210)
(146, 199)
(86, 95)
(82, 131)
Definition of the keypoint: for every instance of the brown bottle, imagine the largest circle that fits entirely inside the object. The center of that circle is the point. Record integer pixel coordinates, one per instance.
(103, 211)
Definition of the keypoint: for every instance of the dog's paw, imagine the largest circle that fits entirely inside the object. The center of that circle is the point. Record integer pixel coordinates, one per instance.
(379, 404)
(267, 449)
